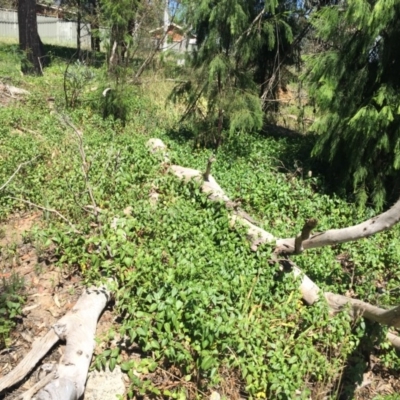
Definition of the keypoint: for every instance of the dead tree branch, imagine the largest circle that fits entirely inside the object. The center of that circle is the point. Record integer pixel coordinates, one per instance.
(84, 164)
(309, 290)
(210, 161)
(16, 172)
(379, 223)
(309, 225)
(77, 328)
(49, 210)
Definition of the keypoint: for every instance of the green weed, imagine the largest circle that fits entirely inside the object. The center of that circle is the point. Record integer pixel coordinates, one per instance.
(189, 291)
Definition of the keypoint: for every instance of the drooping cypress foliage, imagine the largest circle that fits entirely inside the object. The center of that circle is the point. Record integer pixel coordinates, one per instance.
(222, 94)
(355, 84)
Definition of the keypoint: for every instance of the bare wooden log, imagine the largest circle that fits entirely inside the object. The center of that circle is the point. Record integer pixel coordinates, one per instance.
(379, 223)
(359, 308)
(394, 340)
(39, 349)
(78, 329)
(309, 290)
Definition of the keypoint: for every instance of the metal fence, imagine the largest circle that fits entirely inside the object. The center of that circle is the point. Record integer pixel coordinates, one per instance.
(51, 30)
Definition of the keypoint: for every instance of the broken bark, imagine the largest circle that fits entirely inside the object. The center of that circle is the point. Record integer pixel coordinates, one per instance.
(77, 328)
(304, 235)
(309, 290)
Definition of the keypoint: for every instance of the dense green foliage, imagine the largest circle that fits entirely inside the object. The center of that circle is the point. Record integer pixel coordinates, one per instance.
(355, 85)
(191, 295)
(238, 44)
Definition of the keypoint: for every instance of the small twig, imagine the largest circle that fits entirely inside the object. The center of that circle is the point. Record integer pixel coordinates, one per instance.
(40, 65)
(85, 166)
(65, 79)
(180, 379)
(47, 209)
(248, 30)
(37, 134)
(309, 225)
(16, 172)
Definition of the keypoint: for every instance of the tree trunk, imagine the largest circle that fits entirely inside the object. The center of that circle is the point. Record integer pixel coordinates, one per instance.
(29, 40)
(94, 25)
(78, 30)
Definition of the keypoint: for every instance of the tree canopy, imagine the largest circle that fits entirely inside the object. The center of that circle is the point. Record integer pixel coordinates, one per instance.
(354, 82)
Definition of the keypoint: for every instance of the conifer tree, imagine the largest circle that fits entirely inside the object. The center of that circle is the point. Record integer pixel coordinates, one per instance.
(222, 94)
(355, 84)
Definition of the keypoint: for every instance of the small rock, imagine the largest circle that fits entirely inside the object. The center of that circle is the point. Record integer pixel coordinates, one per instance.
(105, 385)
(215, 396)
(156, 145)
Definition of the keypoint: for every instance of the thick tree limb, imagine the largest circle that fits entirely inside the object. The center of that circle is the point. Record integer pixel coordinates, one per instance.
(338, 302)
(381, 222)
(309, 290)
(77, 328)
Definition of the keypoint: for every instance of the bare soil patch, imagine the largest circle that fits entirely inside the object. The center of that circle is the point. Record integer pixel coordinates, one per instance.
(50, 292)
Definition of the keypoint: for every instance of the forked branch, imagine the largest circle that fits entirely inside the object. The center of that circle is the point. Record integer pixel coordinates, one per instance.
(207, 173)
(309, 290)
(309, 225)
(379, 223)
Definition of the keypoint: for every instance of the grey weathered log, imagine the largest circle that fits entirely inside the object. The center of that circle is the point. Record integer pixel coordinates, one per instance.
(309, 290)
(360, 308)
(77, 328)
(379, 223)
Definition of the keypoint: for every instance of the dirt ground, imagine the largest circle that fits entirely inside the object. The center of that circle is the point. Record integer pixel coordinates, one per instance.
(50, 293)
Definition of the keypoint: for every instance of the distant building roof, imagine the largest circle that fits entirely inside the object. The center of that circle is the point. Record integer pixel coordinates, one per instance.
(175, 31)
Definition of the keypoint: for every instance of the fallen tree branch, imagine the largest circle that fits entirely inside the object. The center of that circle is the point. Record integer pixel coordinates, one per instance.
(389, 317)
(16, 172)
(309, 290)
(77, 328)
(49, 210)
(379, 223)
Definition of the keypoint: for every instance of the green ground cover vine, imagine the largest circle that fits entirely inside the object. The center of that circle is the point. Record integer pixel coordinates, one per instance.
(189, 291)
